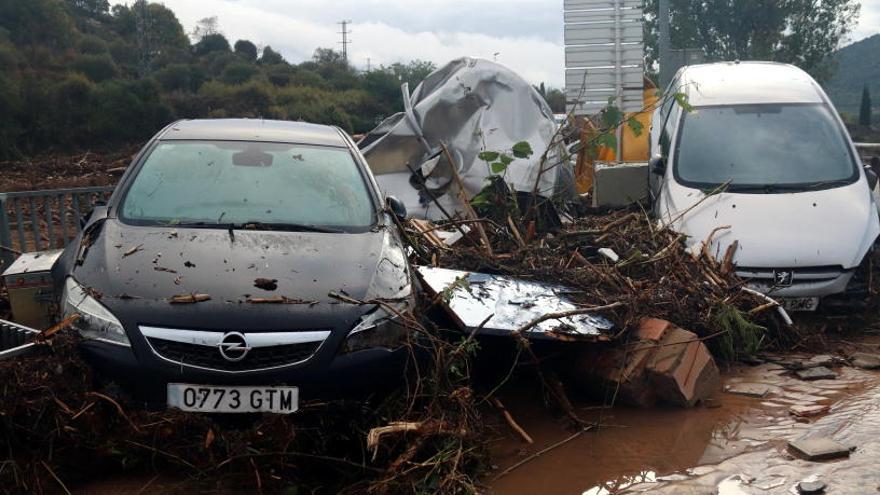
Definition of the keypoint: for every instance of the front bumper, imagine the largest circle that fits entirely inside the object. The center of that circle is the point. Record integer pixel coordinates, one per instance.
(354, 375)
(831, 284)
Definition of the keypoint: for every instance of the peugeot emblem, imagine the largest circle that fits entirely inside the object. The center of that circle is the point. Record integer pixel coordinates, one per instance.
(233, 347)
(782, 278)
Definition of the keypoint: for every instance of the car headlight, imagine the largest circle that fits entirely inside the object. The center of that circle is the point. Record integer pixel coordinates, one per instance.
(379, 329)
(95, 322)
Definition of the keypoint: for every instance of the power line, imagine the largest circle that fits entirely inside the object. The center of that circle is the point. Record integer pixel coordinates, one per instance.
(345, 40)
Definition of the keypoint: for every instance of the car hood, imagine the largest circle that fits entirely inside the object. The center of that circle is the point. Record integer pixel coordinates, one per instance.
(137, 270)
(805, 229)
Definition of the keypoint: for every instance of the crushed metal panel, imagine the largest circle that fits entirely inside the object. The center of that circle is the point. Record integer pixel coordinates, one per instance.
(512, 303)
(469, 105)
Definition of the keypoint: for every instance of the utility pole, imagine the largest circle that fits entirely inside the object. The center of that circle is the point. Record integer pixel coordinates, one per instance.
(345, 41)
(664, 44)
(369, 67)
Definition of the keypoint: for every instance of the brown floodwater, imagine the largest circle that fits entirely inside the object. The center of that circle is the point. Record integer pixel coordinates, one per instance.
(736, 448)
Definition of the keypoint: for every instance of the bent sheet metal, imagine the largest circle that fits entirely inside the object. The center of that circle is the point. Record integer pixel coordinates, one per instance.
(511, 303)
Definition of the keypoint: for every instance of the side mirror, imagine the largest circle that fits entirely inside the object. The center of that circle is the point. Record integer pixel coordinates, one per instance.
(397, 207)
(99, 208)
(872, 177)
(657, 165)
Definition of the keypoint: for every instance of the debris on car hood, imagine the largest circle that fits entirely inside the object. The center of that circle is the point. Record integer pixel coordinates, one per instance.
(470, 105)
(498, 305)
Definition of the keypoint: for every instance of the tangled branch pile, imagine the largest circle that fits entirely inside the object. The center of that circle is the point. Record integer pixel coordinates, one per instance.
(59, 431)
(650, 272)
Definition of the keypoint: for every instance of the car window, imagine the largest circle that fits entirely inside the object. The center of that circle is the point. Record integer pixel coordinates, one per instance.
(249, 182)
(763, 145)
(668, 129)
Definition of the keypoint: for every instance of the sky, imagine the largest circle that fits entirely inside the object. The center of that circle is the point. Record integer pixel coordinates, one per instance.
(525, 35)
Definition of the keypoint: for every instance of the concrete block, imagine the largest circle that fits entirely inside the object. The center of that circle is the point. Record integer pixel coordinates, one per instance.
(818, 448)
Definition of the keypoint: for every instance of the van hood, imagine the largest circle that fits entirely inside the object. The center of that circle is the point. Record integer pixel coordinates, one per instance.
(834, 227)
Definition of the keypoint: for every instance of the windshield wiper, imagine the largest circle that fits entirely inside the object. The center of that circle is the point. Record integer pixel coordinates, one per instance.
(282, 226)
(777, 188)
(278, 226)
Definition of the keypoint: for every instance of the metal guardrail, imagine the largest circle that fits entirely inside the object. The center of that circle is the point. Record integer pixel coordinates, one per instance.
(868, 149)
(41, 220)
(15, 339)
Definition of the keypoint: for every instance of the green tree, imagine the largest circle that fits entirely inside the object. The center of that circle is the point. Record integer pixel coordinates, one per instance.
(865, 108)
(91, 8)
(36, 22)
(271, 57)
(239, 73)
(801, 32)
(556, 99)
(211, 43)
(96, 67)
(246, 49)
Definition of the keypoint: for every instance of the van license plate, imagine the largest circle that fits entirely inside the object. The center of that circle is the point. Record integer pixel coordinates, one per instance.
(796, 304)
(216, 399)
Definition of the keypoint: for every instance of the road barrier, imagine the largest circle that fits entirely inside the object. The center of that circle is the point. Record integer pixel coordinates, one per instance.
(42, 220)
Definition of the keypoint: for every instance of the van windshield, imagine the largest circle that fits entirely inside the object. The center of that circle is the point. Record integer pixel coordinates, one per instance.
(763, 148)
(205, 183)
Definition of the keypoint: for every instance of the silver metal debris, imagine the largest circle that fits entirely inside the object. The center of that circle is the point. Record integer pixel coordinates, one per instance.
(510, 304)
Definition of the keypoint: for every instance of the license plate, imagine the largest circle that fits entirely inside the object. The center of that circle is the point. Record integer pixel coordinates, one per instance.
(217, 399)
(796, 304)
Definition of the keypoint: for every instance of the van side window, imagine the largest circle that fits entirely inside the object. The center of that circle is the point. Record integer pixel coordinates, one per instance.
(668, 130)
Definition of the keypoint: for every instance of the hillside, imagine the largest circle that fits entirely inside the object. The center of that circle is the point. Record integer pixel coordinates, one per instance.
(80, 75)
(857, 64)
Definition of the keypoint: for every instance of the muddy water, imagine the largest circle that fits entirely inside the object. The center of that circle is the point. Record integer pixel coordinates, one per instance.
(701, 450)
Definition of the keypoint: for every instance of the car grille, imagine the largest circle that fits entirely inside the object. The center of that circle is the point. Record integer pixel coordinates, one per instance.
(799, 275)
(209, 357)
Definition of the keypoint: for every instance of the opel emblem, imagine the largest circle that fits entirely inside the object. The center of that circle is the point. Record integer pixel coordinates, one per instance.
(782, 278)
(233, 347)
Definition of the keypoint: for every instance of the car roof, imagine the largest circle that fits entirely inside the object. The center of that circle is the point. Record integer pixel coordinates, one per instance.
(737, 83)
(275, 131)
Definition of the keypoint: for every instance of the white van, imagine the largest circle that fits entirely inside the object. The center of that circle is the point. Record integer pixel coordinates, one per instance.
(763, 151)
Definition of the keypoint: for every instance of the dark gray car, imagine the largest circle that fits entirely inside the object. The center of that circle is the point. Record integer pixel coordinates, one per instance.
(211, 278)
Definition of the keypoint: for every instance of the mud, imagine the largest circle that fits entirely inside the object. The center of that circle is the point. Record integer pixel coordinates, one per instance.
(738, 446)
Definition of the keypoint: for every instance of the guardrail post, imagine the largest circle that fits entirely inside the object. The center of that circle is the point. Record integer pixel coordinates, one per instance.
(7, 256)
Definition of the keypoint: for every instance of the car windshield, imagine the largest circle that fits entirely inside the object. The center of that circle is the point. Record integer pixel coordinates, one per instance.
(229, 183)
(764, 147)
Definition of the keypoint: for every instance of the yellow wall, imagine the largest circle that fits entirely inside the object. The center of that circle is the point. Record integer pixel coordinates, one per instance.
(635, 148)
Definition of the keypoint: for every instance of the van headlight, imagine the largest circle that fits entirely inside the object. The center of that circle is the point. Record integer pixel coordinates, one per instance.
(95, 322)
(380, 329)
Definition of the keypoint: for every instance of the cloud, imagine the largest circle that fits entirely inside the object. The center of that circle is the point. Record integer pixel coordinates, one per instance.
(869, 21)
(526, 34)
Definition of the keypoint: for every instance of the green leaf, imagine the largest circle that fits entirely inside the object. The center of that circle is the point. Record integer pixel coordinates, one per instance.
(505, 159)
(608, 140)
(635, 125)
(683, 101)
(612, 116)
(488, 156)
(522, 149)
(498, 167)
